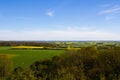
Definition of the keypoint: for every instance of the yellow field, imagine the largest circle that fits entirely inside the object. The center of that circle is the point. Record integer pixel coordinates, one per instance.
(27, 47)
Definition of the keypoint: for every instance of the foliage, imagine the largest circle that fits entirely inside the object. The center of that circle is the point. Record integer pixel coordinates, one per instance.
(89, 63)
(5, 66)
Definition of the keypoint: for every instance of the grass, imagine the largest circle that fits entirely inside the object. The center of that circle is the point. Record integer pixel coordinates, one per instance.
(24, 58)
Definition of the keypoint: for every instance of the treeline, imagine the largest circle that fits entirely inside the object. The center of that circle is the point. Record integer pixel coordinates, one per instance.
(26, 43)
(89, 63)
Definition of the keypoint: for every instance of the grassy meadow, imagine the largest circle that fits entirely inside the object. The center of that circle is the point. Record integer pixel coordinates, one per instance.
(24, 58)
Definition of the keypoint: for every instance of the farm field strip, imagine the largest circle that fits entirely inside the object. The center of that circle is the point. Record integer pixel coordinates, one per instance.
(26, 57)
(30, 47)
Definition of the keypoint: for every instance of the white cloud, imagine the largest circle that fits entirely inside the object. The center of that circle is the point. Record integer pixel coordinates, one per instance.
(50, 13)
(106, 5)
(113, 10)
(107, 18)
(58, 35)
(110, 12)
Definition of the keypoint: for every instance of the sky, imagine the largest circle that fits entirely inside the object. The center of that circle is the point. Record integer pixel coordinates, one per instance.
(60, 20)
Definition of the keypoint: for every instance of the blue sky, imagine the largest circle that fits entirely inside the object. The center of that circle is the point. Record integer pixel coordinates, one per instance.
(59, 19)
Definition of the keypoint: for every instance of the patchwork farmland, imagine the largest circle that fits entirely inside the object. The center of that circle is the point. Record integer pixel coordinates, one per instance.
(25, 57)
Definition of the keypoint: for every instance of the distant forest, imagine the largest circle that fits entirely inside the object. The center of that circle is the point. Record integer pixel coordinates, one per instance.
(25, 43)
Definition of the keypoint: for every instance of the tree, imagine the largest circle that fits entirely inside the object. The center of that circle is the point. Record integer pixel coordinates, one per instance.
(5, 66)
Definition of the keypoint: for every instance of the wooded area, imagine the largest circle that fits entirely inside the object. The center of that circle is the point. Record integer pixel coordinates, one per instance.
(89, 63)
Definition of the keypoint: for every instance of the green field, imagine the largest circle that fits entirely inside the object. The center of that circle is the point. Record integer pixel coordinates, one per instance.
(24, 58)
